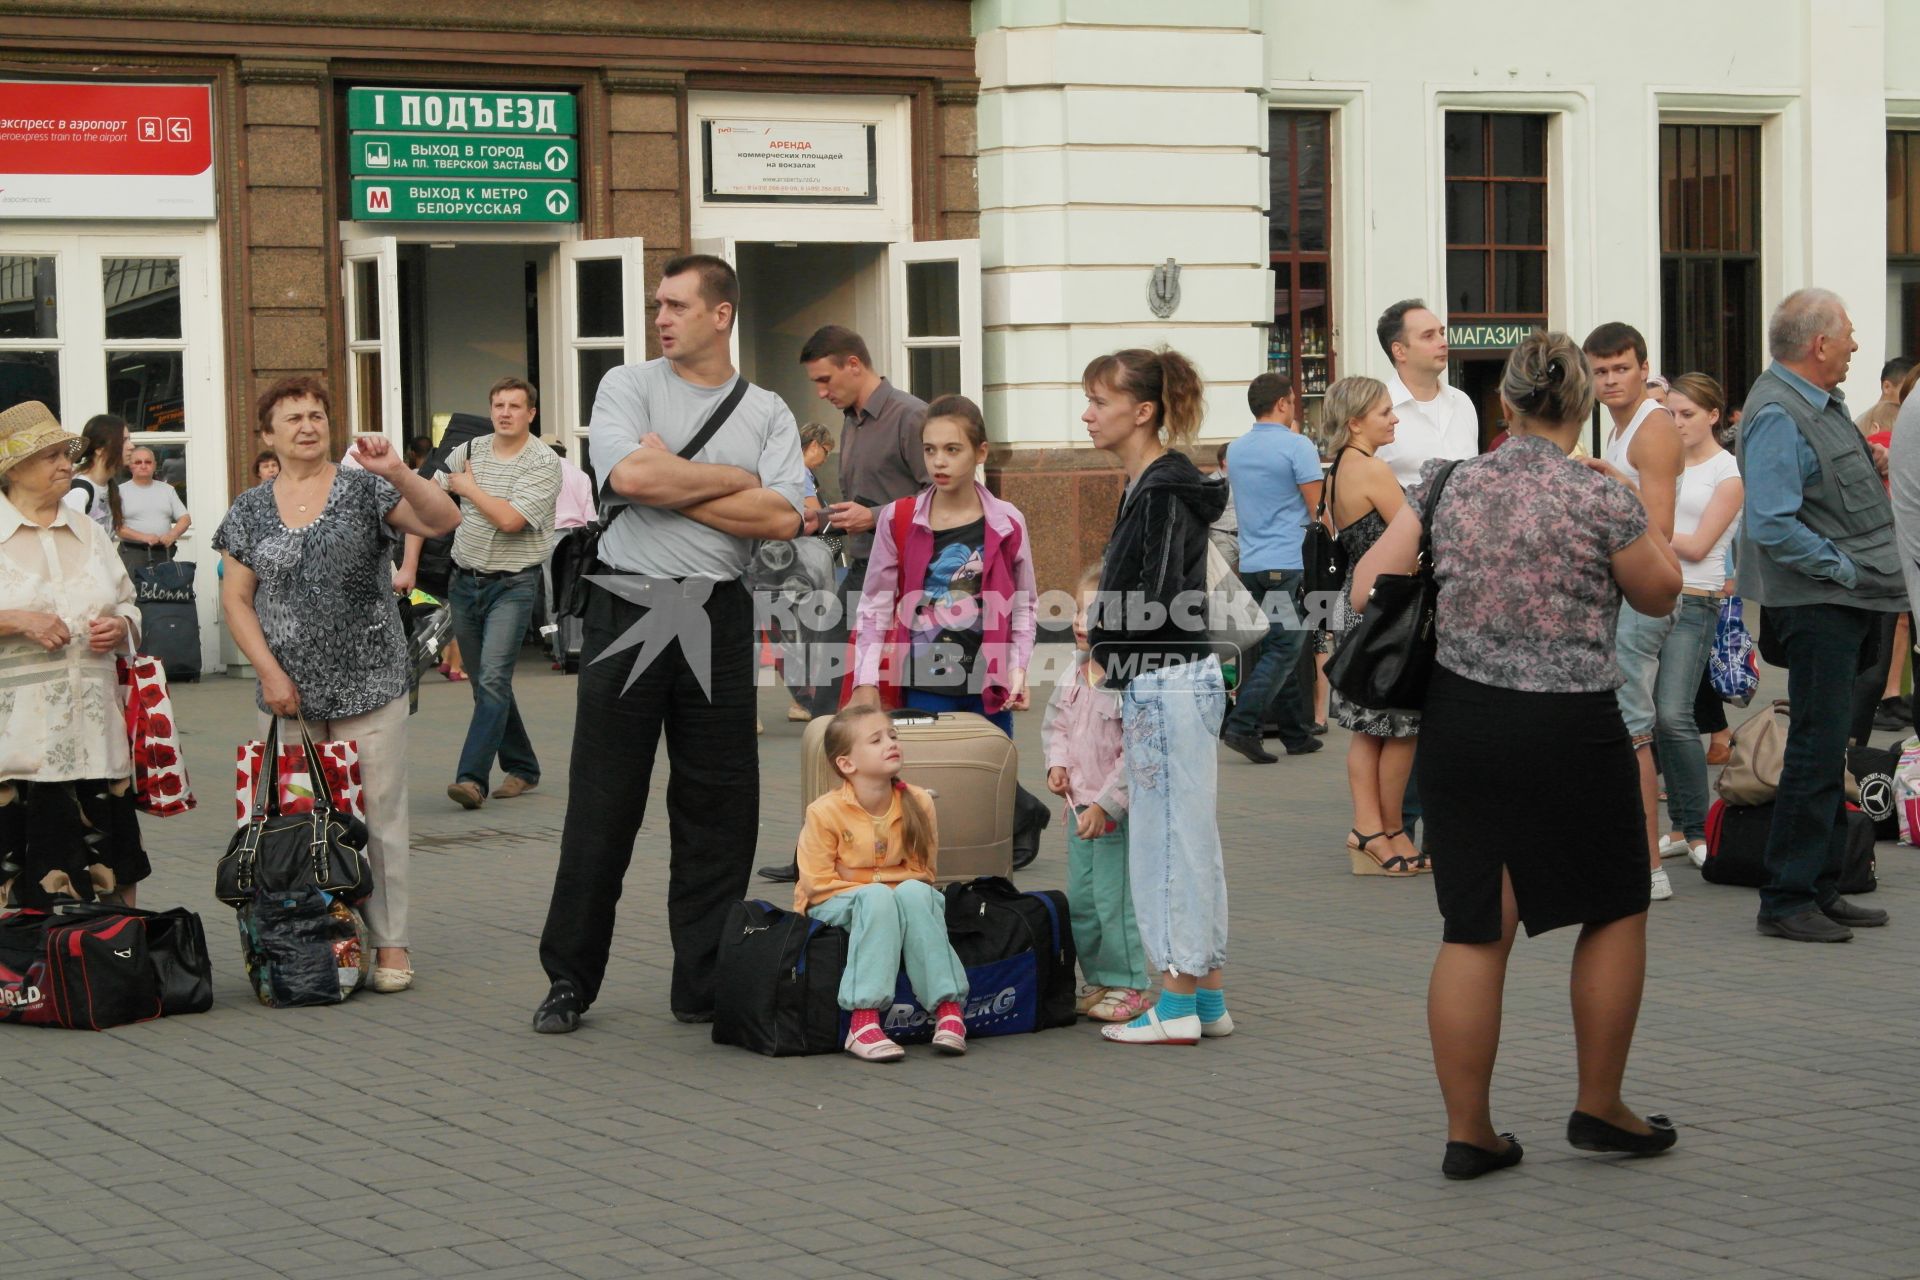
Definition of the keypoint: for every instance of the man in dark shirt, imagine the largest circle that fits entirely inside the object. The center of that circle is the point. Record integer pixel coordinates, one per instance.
(880, 460)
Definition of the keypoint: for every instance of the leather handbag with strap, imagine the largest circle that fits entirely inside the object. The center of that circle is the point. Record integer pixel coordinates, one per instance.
(275, 852)
(1323, 559)
(588, 550)
(1757, 754)
(1384, 660)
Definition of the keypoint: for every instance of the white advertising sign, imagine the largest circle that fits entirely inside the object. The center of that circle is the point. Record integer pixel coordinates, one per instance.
(790, 160)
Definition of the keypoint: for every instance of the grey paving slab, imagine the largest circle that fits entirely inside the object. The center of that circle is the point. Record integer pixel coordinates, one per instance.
(431, 1134)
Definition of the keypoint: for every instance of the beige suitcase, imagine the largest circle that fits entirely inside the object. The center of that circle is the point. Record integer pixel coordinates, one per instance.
(970, 767)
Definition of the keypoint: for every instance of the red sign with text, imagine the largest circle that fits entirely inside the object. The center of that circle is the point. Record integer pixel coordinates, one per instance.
(105, 150)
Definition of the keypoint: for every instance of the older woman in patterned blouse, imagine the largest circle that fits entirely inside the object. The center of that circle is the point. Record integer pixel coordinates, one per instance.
(308, 597)
(67, 821)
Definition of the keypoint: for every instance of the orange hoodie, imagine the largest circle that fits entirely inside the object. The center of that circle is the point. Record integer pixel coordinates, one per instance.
(843, 846)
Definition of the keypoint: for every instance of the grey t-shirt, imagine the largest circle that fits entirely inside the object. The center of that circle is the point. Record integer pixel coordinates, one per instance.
(150, 508)
(760, 437)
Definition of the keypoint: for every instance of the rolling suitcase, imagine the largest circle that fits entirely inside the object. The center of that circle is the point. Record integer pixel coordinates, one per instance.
(968, 765)
(170, 631)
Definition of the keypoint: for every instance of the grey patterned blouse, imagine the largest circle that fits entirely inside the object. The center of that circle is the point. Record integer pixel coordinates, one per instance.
(325, 599)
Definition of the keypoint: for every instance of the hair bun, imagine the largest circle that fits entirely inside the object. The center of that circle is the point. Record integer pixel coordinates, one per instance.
(1556, 371)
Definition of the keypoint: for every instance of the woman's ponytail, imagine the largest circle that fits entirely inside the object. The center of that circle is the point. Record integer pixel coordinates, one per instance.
(1163, 377)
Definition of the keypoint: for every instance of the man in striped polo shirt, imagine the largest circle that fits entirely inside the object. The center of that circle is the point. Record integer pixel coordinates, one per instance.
(508, 485)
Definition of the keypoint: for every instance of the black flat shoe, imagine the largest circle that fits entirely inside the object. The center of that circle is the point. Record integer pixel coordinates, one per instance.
(1465, 1161)
(780, 875)
(1591, 1133)
(560, 1012)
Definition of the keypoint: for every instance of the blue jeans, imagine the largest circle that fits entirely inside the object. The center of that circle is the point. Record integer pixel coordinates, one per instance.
(1173, 836)
(1267, 674)
(1637, 640)
(891, 927)
(922, 700)
(490, 622)
(1683, 762)
(1821, 643)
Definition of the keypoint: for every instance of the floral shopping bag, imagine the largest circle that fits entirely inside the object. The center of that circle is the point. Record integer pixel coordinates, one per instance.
(159, 771)
(339, 760)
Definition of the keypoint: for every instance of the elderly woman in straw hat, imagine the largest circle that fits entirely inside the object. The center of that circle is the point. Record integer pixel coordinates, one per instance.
(67, 820)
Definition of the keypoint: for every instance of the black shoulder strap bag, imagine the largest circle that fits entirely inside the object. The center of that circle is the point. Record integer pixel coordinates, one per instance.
(1384, 660)
(1325, 560)
(587, 555)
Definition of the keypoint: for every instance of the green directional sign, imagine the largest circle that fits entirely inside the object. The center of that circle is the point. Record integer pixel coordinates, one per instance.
(461, 111)
(430, 155)
(449, 200)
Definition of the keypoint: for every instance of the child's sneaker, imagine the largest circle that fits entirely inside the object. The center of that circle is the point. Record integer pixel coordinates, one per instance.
(867, 1042)
(949, 1028)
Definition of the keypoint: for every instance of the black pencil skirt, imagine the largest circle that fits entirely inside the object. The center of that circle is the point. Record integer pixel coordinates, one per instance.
(1542, 785)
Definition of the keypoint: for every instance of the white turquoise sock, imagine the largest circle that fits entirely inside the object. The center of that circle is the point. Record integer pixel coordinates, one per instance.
(1210, 1004)
(1171, 1005)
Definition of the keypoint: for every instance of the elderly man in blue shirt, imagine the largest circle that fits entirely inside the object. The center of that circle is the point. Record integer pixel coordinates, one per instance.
(1276, 479)
(1817, 553)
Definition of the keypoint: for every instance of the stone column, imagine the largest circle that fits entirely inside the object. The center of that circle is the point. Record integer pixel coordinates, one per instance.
(1110, 142)
(647, 167)
(1846, 163)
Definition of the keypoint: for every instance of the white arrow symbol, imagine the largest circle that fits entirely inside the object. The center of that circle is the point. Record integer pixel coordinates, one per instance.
(556, 158)
(556, 202)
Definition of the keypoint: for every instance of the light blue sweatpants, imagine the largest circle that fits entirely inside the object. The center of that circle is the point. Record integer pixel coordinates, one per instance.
(888, 926)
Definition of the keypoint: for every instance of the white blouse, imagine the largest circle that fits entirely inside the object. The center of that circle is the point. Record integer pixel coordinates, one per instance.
(62, 714)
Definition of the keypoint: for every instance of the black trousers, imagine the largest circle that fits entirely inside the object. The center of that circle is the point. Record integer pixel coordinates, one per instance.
(713, 792)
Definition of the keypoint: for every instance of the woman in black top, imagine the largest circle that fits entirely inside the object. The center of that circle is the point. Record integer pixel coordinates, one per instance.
(1148, 635)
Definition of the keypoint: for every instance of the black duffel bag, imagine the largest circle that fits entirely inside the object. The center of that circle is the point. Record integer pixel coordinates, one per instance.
(1873, 769)
(176, 946)
(777, 982)
(277, 852)
(1737, 848)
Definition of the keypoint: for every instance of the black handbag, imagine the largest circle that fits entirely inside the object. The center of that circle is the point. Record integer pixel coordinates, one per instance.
(176, 947)
(276, 852)
(587, 552)
(1323, 558)
(1384, 660)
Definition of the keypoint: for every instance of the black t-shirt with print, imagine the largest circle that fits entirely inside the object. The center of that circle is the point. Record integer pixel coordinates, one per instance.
(947, 625)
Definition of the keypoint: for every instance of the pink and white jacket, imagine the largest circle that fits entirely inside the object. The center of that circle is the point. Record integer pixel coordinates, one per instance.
(1083, 734)
(892, 594)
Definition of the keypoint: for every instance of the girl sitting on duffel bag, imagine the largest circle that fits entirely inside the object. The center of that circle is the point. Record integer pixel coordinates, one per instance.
(866, 865)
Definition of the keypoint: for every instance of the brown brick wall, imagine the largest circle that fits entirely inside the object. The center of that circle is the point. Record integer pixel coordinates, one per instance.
(289, 289)
(647, 158)
(958, 169)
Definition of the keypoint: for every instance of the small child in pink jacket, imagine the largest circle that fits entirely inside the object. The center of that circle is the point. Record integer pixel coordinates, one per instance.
(1086, 766)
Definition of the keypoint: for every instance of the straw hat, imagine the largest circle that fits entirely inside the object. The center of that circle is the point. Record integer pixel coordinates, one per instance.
(28, 428)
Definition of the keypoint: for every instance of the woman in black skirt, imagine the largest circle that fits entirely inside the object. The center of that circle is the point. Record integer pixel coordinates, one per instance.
(1529, 780)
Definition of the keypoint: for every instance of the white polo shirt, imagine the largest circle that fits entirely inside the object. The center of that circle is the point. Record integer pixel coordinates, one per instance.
(1448, 426)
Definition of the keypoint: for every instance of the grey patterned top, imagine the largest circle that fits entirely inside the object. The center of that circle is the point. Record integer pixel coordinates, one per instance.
(325, 598)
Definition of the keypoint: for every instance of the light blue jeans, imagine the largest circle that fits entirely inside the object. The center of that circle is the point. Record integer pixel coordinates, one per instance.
(1683, 762)
(1637, 640)
(1172, 718)
(889, 926)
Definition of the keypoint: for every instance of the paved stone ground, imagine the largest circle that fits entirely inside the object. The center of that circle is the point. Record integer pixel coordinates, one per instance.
(431, 1134)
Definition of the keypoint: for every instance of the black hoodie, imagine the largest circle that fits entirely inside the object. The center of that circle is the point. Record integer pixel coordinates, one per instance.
(1157, 552)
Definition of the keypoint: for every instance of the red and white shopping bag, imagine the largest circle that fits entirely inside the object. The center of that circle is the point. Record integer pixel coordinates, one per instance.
(339, 763)
(153, 740)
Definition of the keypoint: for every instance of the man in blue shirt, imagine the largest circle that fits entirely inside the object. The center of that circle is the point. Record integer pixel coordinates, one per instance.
(1817, 552)
(1276, 478)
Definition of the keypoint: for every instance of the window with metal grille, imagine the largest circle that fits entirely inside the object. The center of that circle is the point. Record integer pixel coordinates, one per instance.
(1710, 253)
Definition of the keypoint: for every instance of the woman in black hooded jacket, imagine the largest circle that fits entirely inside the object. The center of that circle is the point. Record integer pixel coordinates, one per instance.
(1149, 636)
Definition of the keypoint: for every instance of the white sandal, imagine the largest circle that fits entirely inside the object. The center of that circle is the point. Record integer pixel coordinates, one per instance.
(1181, 1030)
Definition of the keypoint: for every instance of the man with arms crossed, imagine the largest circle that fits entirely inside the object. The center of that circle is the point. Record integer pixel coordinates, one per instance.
(1817, 552)
(507, 485)
(681, 535)
(1643, 450)
(1276, 482)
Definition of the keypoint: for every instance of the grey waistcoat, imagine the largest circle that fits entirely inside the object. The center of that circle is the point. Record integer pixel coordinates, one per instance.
(1845, 503)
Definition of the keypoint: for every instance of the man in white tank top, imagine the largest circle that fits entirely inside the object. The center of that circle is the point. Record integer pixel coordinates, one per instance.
(1642, 450)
